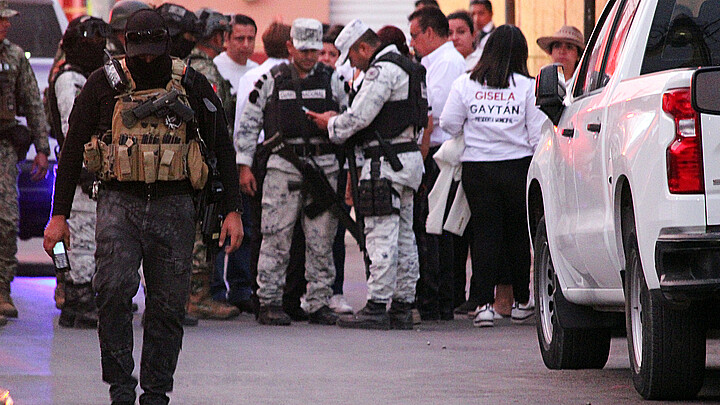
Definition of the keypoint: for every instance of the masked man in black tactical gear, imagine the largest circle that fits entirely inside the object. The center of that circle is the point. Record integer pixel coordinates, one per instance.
(150, 165)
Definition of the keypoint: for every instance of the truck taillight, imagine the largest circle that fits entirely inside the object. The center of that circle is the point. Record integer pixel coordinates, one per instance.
(684, 155)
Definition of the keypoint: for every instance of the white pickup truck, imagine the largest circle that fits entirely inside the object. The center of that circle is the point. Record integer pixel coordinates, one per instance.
(623, 196)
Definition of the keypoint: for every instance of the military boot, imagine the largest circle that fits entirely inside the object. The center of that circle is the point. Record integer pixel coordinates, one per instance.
(202, 306)
(273, 315)
(60, 291)
(400, 314)
(372, 316)
(323, 316)
(80, 310)
(7, 307)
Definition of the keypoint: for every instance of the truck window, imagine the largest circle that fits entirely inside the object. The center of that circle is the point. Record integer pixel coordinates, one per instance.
(590, 76)
(35, 29)
(618, 42)
(684, 33)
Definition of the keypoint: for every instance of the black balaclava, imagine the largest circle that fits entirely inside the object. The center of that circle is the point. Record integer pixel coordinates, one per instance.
(84, 41)
(181, 47)
(155, 74)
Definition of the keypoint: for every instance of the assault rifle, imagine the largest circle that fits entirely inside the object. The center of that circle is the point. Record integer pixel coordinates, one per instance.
(160, 106)
(209, 202)
(317, 185)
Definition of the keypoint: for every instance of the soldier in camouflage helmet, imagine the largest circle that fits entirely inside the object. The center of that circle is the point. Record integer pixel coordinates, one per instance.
(18, 91)
(211, 39)
(118, 17)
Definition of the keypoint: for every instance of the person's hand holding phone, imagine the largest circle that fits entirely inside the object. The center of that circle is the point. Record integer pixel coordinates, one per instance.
(57, 230)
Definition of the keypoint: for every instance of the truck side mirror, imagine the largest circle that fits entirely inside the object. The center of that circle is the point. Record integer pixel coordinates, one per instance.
(550, 91)
(705, 90)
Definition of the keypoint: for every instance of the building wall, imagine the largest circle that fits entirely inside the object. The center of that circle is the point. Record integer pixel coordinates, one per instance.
(536, 18)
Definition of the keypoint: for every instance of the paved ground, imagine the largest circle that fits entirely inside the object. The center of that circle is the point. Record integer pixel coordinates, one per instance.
(241, 362)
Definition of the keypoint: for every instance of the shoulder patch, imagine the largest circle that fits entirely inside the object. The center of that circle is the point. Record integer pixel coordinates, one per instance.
(253, 96)
(372, 73)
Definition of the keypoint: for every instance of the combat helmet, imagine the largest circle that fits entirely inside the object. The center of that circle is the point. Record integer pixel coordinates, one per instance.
(213, 21)
(122, 10)
(179, 19)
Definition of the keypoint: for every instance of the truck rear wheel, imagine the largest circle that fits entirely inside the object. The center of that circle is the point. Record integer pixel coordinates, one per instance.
(562, 348)
(666, 345)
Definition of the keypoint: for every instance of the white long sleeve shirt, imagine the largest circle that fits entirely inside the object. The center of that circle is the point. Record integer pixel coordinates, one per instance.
(498, 124)
(443, 65)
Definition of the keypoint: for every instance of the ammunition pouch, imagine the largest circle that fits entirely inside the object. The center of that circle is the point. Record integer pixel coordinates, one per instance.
(375, 195)
(19, 137)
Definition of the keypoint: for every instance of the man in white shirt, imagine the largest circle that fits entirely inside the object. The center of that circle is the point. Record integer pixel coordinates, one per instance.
(429, 29)
(233, 281)
(482, 13)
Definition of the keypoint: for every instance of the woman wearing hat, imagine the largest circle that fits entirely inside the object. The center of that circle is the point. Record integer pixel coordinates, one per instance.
(565, 46)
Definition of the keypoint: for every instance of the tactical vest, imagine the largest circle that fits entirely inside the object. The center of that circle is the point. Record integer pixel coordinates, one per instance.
(396, 116)
(8, 76)
(52, 110)
(284, 109)
(148, 148)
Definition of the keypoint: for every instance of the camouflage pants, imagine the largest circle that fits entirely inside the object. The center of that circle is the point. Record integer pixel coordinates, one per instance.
(9, 212)
(390, 242)
(281, 208)
(82, 238)
(200, 265)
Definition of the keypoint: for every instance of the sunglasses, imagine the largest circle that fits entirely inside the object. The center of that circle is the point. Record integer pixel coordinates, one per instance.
(92, 30)
(145, 36)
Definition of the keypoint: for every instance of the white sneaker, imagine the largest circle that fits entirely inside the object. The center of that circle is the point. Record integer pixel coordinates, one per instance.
(485, 316)
(339, 305)
(522, 312)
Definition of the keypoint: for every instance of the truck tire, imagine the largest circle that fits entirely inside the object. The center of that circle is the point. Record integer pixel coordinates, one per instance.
(562, 348)
(666, 345)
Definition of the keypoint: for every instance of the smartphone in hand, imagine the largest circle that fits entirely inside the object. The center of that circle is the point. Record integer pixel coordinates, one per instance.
(60, 258)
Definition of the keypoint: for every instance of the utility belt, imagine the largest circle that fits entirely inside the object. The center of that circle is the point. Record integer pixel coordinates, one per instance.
(375, 194)
(374, 152)
(313, 149)
(150, 191)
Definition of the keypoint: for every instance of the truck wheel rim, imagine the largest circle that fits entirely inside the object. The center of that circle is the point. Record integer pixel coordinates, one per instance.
(547, 293)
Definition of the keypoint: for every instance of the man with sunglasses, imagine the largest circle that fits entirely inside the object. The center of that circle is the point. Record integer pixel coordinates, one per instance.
(18, 93)
(149, 218)
(82, 45)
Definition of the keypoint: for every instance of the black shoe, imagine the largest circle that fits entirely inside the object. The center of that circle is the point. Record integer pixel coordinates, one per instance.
(430, 315)
(372, 316)
(189, 320)
(245, 306)
(400, 314)
(72, 318)
(273, 315)
(466, 308)
(79, 310)
(296, 313)
(323, 316)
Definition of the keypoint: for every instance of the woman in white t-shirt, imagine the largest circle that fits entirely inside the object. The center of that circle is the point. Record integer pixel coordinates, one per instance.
(494, 107)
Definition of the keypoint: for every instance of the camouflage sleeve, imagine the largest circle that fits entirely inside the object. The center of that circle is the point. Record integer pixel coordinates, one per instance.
(251, 120)
(67, 88)
(28, 96)
(375, 92)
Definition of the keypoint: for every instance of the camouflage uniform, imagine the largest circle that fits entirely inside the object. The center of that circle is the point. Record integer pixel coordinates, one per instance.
(203, 63)
(282, 207)
(390, 239)
(81, 221)
(27, 99)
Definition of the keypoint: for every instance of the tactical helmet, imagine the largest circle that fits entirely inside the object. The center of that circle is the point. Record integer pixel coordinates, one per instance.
(179, 19)
(122, 10)
(213, 21)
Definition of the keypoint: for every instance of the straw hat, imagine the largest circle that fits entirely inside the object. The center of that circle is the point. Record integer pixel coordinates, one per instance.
(566, 33)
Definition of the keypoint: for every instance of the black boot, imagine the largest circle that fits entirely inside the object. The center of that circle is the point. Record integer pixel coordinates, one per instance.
(273, 315)
(79, 310)
(323, 316)
(400, 315)
(372, 316)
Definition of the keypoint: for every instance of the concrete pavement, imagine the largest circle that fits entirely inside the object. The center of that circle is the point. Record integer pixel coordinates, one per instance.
(242, 362)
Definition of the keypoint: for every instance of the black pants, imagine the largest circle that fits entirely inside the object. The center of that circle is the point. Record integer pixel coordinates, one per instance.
(160, 233)
(434, 294)
(501, 245)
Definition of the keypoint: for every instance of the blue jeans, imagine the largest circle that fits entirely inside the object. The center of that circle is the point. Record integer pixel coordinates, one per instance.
(238, 275)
